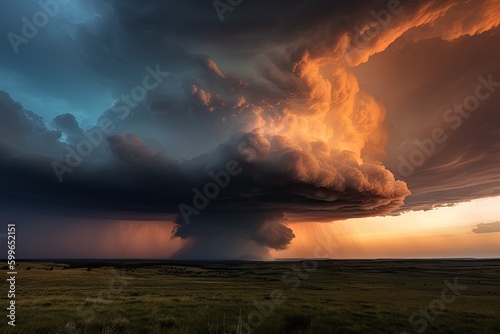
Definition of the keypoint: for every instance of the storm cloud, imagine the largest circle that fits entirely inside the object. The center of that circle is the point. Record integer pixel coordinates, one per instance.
(315, 122)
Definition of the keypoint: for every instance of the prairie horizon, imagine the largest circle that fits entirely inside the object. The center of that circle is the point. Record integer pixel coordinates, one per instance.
(334, 296)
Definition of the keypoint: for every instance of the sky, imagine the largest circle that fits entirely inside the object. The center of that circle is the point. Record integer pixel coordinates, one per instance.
(250, 130)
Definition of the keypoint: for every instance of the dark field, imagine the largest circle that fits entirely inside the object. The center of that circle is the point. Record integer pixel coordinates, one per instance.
(257, 297)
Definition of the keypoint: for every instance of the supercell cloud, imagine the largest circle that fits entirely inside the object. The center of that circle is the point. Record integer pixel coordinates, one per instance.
(281, 113)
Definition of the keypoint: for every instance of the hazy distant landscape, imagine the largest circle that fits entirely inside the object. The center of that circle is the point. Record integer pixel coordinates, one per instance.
(331, 296)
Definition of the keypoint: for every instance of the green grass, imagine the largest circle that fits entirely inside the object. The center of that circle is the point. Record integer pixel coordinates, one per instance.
(337, 297)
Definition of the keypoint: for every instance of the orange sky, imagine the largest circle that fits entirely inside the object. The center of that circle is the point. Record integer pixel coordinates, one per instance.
(443, 232)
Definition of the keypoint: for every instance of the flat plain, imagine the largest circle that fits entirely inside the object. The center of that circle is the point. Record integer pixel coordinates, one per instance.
(327, 296)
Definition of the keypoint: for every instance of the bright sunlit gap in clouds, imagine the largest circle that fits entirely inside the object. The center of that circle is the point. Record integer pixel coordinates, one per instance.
(441, 232)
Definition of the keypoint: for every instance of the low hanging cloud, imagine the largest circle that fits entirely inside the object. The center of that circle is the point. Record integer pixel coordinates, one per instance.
(277, 177)
(311, 133)
(487, 227)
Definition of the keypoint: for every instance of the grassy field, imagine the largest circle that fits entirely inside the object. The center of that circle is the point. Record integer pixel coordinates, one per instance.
(460, 296)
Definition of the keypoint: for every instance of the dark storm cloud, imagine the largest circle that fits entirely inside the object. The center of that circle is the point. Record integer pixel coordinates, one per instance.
(43, 72)
(266, 228)
(277, 177)
(278, 88)
(22, 129)
(487, 227)
(463, 167)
